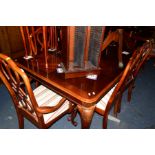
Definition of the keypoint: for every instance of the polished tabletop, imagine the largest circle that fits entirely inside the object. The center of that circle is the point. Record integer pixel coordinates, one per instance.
(79, 90)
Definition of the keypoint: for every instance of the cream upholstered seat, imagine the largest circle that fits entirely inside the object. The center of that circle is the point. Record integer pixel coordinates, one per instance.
(46, 97)
(103, 102)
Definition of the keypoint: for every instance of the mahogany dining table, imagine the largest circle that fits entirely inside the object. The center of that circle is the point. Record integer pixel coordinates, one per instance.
(82, 91)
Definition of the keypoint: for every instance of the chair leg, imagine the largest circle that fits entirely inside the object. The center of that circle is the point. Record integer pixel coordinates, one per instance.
(117, 106)
(130, 91)
(105, 121)
(115, 110)
(21, 121)
(72, 116)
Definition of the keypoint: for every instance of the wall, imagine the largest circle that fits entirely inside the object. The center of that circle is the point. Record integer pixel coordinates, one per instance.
(11, 42)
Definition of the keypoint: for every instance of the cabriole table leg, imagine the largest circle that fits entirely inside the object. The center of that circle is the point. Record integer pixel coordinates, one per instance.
(86, 114)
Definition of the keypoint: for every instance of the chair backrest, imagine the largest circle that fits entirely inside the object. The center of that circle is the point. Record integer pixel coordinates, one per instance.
(13, 77)
(141, 55)
(37, 39)
(32, 39)
(130, 73)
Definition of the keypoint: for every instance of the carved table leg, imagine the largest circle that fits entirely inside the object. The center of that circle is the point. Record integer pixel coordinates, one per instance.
(86, 114)
(72, 117)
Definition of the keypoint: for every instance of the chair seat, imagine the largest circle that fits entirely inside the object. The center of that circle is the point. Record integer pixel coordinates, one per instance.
(46, 97)
(103, 102)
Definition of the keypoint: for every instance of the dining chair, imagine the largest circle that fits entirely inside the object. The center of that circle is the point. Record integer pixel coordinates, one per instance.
(144, 54)
(33, 38)
(41, 106)
(114, 96)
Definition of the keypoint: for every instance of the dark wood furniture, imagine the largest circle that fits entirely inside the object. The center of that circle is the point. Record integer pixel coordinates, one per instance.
(117, 37)
(114, 96)
(41, 39)
(83, 92)
(81, 48)
(41, 106)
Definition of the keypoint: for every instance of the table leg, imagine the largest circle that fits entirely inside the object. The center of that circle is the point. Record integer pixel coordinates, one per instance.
(86, 114)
